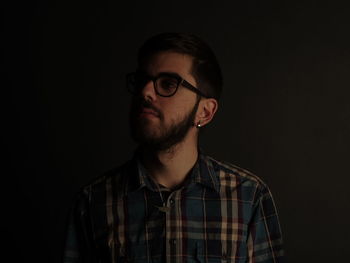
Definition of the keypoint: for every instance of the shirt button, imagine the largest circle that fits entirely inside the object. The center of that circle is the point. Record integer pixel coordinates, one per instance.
(172, 201)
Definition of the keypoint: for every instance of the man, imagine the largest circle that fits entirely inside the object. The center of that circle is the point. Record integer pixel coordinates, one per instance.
(171, 202)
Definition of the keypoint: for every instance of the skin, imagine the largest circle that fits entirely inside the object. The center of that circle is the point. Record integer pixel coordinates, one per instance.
(170, 167)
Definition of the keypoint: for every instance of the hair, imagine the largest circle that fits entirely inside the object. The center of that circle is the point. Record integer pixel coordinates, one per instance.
(205, 68)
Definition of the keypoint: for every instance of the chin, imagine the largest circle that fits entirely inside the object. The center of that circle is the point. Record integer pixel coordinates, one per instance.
(144, 134)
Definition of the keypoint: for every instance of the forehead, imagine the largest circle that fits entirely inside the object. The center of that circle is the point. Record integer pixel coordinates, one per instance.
(168, 61)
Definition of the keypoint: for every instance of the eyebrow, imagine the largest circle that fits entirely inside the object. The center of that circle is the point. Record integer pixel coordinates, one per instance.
(170, 73)
(174, 74)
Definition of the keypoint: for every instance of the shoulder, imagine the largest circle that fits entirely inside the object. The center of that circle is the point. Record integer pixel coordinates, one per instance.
(114, 178)
(233, 177)
(232, 171)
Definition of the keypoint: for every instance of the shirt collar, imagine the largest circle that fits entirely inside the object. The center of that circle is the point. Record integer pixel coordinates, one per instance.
(203, 172)
(144, 178)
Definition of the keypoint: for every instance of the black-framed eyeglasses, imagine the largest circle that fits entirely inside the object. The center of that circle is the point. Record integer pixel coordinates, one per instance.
(165, 84)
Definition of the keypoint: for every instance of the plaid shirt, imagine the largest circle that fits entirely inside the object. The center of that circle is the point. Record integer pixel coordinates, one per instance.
(221, 213)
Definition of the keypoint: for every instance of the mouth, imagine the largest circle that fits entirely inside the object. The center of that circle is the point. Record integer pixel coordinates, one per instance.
(148, 112)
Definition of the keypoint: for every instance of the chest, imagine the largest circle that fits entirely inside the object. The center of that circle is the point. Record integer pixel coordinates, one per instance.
(197, 226)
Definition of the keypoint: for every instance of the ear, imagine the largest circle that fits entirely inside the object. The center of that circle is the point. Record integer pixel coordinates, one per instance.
(206, 111)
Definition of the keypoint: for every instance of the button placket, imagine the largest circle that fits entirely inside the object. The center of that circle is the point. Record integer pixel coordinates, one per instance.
(171, 241)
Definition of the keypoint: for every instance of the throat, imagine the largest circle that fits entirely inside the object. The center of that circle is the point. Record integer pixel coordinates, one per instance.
(170, 169)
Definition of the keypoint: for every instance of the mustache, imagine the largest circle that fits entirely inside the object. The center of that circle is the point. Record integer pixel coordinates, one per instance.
(147, 104)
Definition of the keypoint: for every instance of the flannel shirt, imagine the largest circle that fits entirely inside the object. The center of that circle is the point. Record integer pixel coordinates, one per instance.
(221, 213)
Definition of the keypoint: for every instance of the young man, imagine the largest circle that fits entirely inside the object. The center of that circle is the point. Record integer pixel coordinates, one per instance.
(171, 202)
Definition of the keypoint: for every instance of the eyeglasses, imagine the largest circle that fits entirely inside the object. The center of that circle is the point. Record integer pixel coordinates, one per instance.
(165, 84)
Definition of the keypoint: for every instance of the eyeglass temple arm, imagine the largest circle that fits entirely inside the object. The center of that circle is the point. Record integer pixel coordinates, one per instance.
(195, 90)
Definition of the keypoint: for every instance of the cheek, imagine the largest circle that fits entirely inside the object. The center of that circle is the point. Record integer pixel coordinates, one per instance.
(177, 113)
(177, 107)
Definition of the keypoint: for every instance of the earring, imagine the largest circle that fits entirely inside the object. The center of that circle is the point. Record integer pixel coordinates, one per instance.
(199, 125)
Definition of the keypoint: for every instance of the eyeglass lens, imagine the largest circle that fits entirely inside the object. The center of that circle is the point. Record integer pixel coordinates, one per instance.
(165, 85)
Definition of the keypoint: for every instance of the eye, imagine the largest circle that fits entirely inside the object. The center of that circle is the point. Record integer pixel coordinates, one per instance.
(168, 83)
(141, 80)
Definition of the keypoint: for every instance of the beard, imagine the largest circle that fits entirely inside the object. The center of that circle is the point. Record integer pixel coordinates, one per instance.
(167, 137)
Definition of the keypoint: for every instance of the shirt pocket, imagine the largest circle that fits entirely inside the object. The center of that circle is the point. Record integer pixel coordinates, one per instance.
(221, 259)
(216, 257)
(137, 253)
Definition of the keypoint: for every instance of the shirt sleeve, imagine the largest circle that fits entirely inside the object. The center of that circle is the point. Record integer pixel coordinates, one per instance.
(264, 237)
(79, 245)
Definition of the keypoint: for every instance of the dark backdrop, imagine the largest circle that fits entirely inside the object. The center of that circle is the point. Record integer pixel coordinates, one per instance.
(284, 113)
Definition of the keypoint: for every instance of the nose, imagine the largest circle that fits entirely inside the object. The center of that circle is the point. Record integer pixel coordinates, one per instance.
(148, 92)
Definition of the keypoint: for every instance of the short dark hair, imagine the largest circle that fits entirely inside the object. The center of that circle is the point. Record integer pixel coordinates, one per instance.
(205, 68)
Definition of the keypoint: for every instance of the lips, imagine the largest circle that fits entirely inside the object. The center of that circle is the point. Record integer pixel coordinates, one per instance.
(148, 111)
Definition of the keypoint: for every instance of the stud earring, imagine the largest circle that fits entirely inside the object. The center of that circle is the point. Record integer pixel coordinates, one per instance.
(199, 125)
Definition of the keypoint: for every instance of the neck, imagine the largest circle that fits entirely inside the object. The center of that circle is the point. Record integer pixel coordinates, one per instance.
(170, 167)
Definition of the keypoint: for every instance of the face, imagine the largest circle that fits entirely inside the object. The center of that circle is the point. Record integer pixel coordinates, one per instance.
(162, 122)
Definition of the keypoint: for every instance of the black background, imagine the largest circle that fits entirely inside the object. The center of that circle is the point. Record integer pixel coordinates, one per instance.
(284, 113)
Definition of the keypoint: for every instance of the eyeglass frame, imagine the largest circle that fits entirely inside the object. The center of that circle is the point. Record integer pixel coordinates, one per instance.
(180, 81)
